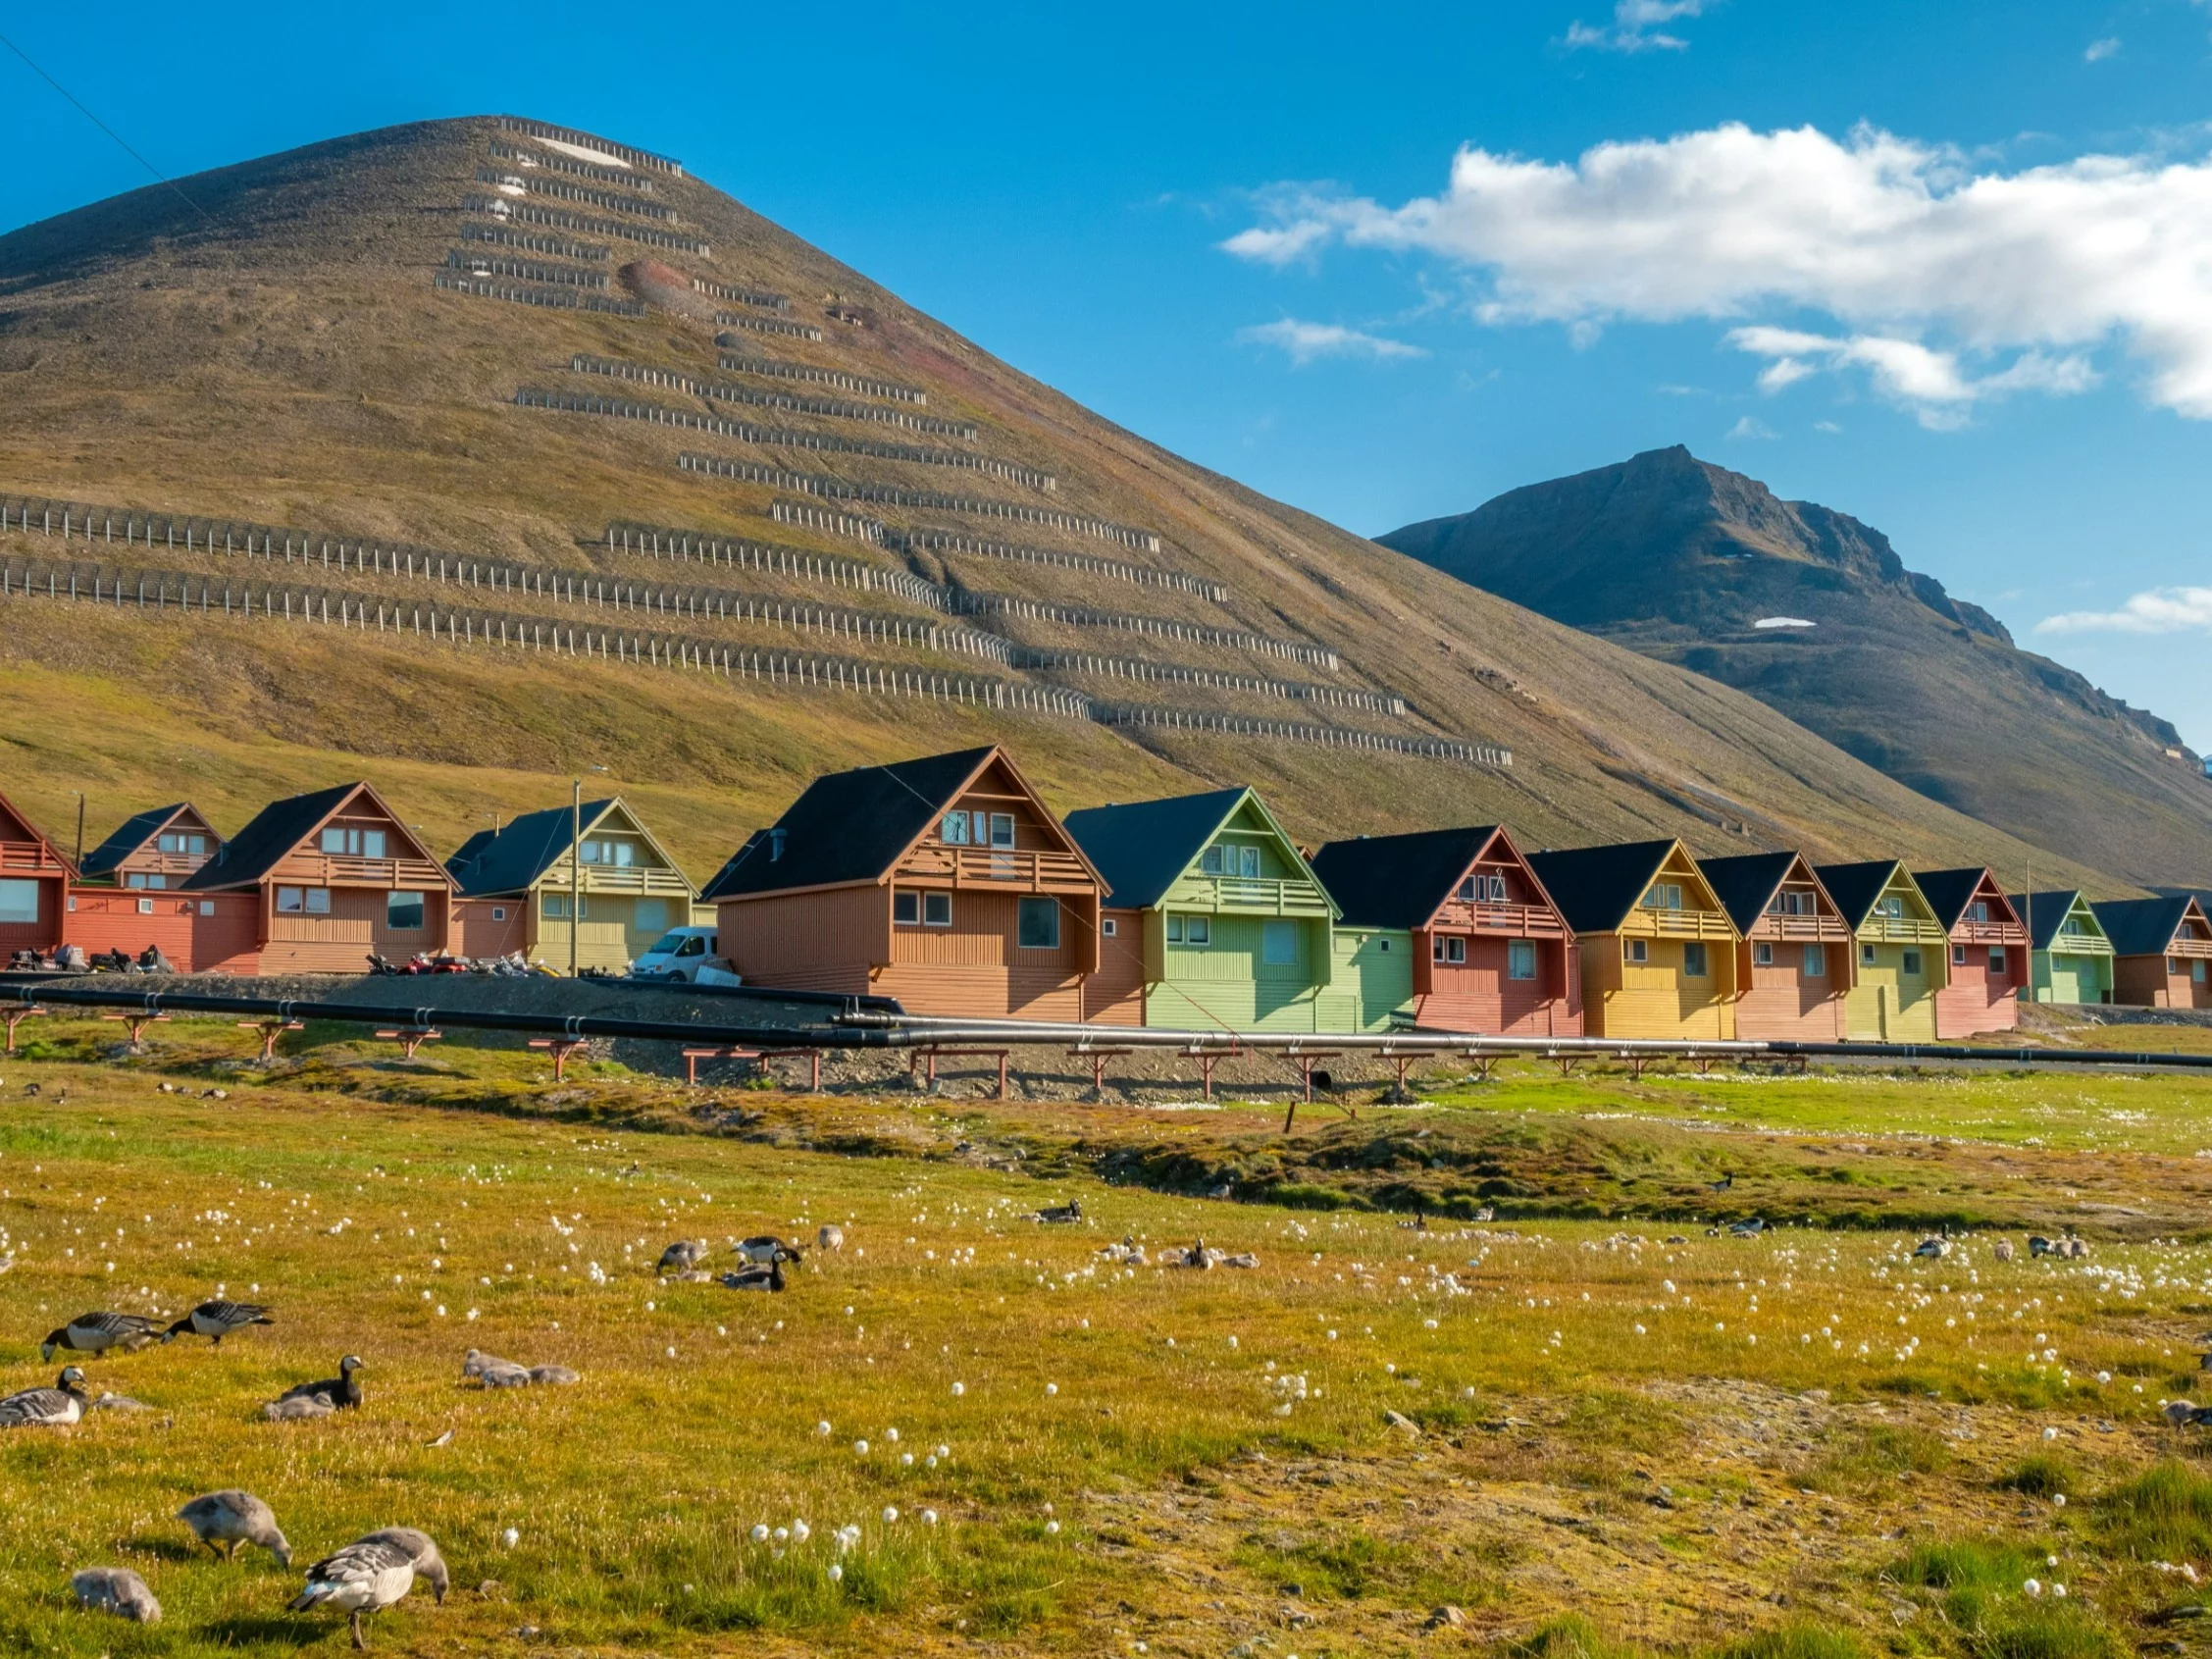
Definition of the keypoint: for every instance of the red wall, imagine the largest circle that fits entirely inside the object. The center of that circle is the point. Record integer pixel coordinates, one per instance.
(477, 934)
(41, 935)
(1974, 1002)
(1476, 995)
(214, 933)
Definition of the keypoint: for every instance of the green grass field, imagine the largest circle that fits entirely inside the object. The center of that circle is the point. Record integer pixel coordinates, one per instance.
(1614, 1432)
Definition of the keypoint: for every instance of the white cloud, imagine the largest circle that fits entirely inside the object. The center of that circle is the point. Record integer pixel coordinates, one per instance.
(1305, 342)
(1638, 26)
(2099, 50)
(1948, 285)
(2160, 610)
(1751, 426)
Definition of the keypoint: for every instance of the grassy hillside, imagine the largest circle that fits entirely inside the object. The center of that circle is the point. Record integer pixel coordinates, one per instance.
(1681, 560)
(289, 361)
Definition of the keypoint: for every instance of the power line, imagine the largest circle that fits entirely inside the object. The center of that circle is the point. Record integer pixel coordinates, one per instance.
(162, 177)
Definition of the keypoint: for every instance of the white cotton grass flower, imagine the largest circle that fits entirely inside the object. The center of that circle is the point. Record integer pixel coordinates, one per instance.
(510, 1537)
(959, 1388)
(1050, 1389)
(1052, 1528)
(929, 1517)
(837, 1573)
(801, 1532)
(2050, 1433)
(2032, 1587)
(823, 1429)
(890, 1516)
(860, 1448)
(760, 1533)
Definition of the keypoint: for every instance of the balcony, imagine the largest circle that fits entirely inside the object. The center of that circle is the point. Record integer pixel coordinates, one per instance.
(1683, 925)
(1004, 870)
(1514, 921)
(1901, 930)
(642, 880)
(176, 866)
(1250, 895)
(28, 857)
(1812, 929)
(338, 869)
(1989, 933)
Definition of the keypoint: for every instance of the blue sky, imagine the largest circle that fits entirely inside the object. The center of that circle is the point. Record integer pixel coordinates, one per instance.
(1948, 268)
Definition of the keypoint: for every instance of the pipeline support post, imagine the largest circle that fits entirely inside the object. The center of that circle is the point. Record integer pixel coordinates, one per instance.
(410, 1038)
(16, 1017)
(269, 1030)
(561, 1048)
(138, 1022)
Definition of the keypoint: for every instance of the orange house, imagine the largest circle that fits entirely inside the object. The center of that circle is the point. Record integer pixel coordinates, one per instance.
(1793, 960)
(944, 882)
(2162, 951)
(127, 896)
(1988, 952)
(334, 878)
(33, 882)
(1491, 953)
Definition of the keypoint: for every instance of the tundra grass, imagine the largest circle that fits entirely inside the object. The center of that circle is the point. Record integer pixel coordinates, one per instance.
(1605, 1437)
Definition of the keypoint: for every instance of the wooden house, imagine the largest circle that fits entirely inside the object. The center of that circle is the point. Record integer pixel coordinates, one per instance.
(1487, 950)
(1902, 953)
(1988, 951)
(1656, 946)
(34, 885)
(945, 882)
(334, 876)
(127, 896)
(2161, 951)
(2072, 959)
(1793, 950)
(517, 884)
(1218, 923)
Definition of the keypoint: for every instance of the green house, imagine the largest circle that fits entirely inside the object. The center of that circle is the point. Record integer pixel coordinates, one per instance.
(2071, 959)
(1214, 922)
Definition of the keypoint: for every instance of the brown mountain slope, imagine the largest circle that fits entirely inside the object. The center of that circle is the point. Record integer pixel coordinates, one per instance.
(336, 351)
(1681, 560)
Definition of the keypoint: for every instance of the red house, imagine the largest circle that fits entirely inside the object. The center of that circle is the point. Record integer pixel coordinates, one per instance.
(128, 896)
(1793, 962)
(1990, 959)
(1491, 953)
(2162, 951)
(33, 884)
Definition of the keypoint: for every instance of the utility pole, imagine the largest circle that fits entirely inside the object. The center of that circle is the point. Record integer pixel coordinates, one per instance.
(78, 861)
(574, 870)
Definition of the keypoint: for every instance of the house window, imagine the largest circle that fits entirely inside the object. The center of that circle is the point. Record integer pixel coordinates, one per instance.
(1214, 861)
(1664, 896)
(1039, 924)
(1174, 930)
(1816, 961)
(348, 842)
(1278, 944)
(1912, 964)
(906, 909)
(1521, 959)
(136, 878)
(1001, 829)
(1497, 890)
(1109, 928)
(1958, 955)
(403, 913)
(614, 854)
(175, 841)
(1981, 909)
(498, 912)
(1248, 862)
(145, 906)
(954, 829)
(207, 906)
(1694, 965)
(2196, 970)
(1761, 954)
(936, 909)
(303, 901)
(1448, 948)
(1893, 905)
(1197, 930)
(1470, 890)
(1866, 955)
(1639, 950)
(556, 907)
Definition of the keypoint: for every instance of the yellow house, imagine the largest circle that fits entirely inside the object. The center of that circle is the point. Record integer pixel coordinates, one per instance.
(1900, 955)
(1658, 950)
(517, 889)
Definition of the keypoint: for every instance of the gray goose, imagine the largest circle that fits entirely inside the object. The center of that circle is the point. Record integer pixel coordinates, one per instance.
(430, 1565)
(217, 1319)
(682, 1257)
(97, 1332)
(365, 1577)
(225, 1520)
(341, 1391)
(59, 1405)
(117, 1590)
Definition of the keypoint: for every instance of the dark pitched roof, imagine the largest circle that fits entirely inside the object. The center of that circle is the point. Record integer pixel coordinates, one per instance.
(1855, 887)
(848, 826)
(133, 834)
(1139, 849)
(1596, 887)
(2202, 895)
(508, 859)
(276, 830)
(2045, 911)
(1746, 883)
(2141, 927)
(1949, 892)
(1398, 880)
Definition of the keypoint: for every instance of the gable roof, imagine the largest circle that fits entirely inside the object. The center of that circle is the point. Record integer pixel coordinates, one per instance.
(280, 827)
(1949, 892)
(1399, 880)
(2144, 928)
(512, 859)
(133, 833)
(1141, 848)
(9, 810)
(1856, 886)
(855, 826)
(1747, 883)
(1597, 887)
(2046, 910)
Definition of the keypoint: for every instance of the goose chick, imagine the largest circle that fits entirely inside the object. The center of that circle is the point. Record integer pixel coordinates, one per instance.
(342, 1390)
(225, 1520)
(298, 1408)
(770, 1278)
(117, 1590)
(113, 1402)
(59, 1405)
(476, 1362)
(97, 1332)
(682, 1256)
(430, 1565)
(366, 1576)
(555, 1377)
(217, 1319)
(828, 1236)
(506, 1376)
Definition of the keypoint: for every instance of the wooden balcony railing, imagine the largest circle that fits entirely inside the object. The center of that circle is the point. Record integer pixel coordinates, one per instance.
(176, 865)
(1517, 922)
(1259, 896)
(338, 869)
(643, 880)
(1685, 924)
(2189, 946)
(28, 857)
(2080, 945)
(1988, 933)
(1812, 929)
(1901, 930)
(1001, 868)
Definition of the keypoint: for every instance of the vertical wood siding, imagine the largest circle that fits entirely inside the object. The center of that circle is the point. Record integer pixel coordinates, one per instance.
(1655, 998)
(1888, 1005)
(1115, 994)
(1783, 1003)
(1976, 1001)
(1479, 997)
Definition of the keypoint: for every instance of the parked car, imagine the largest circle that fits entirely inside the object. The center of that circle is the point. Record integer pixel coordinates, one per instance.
(685, 956)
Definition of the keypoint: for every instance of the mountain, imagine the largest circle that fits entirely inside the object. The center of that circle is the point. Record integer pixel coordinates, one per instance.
(1814, 614)
(475, 455)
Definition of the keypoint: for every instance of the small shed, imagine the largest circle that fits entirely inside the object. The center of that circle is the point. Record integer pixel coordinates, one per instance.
(2071, 960)
(2161, 951)
(1656, 945)
(1793, 953)
(1988, 951)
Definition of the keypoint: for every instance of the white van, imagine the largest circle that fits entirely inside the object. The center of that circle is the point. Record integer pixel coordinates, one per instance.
(685, 956)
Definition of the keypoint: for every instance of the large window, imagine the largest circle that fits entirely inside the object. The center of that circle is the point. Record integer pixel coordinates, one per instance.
(1816, 961)
(613, 853)
(1040, 925)
(556, 907)
(1664, 896)
(1893, 905)
(954, 829)
(1521, 959)
(906, 909)
(1001, 829)
(1980, 909)
(2196, 970)
(1278, 944)
(139, 878)
(936, 909)
(1190, 930)
(405, 913)
(1913, 966)
(353, 842)
(303, 901)
(1997, 960)
(180, 841)
(1448, 948)
(1694, 965)
(19, 901)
